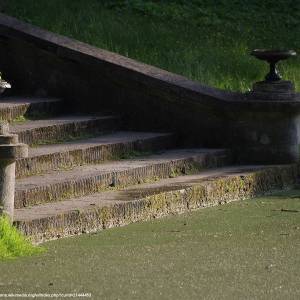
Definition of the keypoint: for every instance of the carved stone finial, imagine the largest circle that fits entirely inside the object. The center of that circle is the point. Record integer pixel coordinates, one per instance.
(273, 88)
(273, 57)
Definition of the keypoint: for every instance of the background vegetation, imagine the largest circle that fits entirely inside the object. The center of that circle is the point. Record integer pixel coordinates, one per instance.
(205, 40)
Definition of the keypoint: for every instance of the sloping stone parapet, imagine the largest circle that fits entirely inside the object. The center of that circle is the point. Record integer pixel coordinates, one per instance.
(145, 202)
(260, 128)
(10, 151)
(93, 79)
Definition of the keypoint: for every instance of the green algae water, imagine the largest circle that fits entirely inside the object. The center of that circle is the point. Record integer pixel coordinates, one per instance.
(242, 250)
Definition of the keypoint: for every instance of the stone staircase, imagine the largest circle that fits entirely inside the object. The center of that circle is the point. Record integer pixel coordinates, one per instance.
(84, 173)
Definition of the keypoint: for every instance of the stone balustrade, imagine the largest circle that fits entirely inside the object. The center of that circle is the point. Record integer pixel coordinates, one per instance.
(10, 151)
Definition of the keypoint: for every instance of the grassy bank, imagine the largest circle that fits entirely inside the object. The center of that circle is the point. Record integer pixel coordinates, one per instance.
(243, 250)
(208, 41)
(12, 243)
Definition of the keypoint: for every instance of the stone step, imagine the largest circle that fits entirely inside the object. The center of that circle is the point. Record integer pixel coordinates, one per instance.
(82, 180)
(12, 108)
(147, 201)
(62, 128)
(90, 151)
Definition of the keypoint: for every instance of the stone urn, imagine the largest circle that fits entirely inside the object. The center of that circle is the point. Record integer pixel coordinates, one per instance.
(3, 86)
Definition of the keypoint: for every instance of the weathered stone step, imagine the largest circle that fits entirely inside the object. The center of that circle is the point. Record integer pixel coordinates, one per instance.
(143, 202)
(88, 179)
(90, 151)
(12, 108)
(61, 128)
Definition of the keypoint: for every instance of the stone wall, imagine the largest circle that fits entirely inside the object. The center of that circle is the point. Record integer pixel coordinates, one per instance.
(38, 62)
(89, 79)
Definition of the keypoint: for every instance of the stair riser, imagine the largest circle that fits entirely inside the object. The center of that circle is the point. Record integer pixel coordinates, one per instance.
(207, 193)
(52, 134)
(30, 110)
(92, 155)
(84, 186)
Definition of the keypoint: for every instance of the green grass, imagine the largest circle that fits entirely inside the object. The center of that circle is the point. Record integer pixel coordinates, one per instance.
(12, 243)
(208, 41)
(242, 250)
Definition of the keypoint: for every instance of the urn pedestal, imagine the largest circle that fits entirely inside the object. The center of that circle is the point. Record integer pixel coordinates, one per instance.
(265, 122)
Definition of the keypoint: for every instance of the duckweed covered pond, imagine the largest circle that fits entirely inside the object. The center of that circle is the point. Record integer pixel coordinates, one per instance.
(242, 250)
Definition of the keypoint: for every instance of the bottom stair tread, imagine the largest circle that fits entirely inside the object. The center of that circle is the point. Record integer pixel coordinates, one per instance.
(130, 193)
(146, 201)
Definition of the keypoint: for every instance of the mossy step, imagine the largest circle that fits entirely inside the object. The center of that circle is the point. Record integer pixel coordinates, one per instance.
(12, 108)
(90, 151)
(143, 202)
(62, 128)
(83, 180)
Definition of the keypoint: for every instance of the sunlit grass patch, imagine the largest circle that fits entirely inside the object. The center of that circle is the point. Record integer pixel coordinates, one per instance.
(12, 243)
